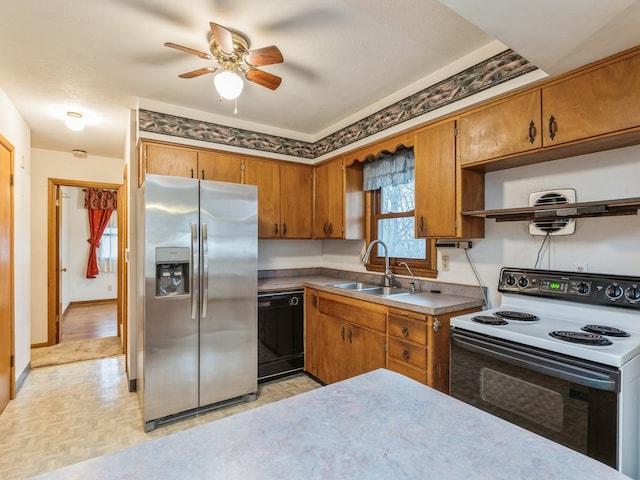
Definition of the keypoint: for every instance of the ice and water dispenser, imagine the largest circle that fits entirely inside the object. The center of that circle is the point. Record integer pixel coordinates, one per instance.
(172, 271)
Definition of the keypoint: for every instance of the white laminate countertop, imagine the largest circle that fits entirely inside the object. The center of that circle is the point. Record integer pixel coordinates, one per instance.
(379, 425)
(422, 302)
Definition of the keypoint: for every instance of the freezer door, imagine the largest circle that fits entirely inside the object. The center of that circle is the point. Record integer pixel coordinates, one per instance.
(228, 324)
(170, 332)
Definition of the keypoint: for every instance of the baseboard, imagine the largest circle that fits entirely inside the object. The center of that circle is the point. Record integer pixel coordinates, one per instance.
(92, 302)
(23, 376)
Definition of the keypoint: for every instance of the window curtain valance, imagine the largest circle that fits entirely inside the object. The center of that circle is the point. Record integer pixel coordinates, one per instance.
(100, 203)
(100, 199)
(392, 170)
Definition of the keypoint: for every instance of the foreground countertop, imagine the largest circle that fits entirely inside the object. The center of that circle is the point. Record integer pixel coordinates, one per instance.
(451, 299)
(379, 425)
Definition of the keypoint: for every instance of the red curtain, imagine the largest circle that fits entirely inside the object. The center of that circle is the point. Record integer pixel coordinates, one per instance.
(100, 204)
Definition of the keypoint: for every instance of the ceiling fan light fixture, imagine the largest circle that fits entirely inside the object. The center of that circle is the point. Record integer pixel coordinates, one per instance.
(228, 84)
(74, 121)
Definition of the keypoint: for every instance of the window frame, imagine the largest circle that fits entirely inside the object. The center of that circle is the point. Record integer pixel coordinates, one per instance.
(420, 268)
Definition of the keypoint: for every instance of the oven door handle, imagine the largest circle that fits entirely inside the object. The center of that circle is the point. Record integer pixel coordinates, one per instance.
(546, 363)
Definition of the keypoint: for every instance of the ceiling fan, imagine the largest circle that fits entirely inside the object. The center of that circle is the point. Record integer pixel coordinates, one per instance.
(231, 51)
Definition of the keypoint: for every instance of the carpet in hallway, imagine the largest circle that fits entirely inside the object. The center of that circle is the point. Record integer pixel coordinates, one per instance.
(68, 352)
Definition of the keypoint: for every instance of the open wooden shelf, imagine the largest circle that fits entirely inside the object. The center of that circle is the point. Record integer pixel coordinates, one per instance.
(602, 208)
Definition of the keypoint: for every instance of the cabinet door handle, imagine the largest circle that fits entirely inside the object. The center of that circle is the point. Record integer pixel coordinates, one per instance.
(203, 174)
(192, 173)
(330, 228)
(275, 228)
(436, 324)
(405, 332)
(553, 127)
(421, 224)
(350, 335)
(532, 132)
(325, 229)
(405, 354)
(342, 333)
(284, 229)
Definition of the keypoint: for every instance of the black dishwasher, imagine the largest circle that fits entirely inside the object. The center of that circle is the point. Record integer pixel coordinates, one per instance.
(280, 334)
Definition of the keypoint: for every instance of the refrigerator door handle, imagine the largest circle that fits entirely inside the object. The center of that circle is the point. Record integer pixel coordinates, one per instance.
(194, 270)
(205, 270)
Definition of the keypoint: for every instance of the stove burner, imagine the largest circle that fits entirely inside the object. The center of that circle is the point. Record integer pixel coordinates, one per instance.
(581, 338)
(522, 316)
(604, 330)
(489, 320)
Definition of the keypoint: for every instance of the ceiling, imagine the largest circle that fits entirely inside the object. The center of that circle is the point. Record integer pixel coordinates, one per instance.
(99, 57)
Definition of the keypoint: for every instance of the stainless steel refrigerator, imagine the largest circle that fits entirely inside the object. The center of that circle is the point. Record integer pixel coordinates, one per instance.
(200, 285)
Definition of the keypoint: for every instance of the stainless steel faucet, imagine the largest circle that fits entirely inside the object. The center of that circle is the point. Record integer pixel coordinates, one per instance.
(388, 276)
(413, 279)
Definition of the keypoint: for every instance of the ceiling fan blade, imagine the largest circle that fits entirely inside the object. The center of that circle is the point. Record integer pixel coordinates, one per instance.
(197, 53)
(264, 56)
(222, 37)
(263, 78)
(198, 72)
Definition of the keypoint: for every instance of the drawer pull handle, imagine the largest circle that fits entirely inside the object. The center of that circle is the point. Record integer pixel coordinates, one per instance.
(342, 334)
(405, 354)
(405, 332)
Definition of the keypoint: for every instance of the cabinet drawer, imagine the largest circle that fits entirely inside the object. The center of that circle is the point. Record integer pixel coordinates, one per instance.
(418, 374)
(361, 313)
(408, 328)
(408, 353)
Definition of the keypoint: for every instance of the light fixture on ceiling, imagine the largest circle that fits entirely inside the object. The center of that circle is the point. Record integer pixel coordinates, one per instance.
(228, 84)
(74, 121)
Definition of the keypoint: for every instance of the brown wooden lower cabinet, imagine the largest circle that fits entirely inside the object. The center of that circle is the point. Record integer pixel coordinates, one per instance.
(345, 337)
(350, 336)
(418, 346)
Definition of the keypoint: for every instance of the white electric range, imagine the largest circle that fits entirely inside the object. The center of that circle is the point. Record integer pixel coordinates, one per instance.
(560, 356)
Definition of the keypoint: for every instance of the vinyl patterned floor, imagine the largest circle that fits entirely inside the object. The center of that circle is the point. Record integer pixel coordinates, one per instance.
(68, 413)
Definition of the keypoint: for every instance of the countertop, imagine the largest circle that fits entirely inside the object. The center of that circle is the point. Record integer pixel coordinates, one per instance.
(452, 298)
(379, 425)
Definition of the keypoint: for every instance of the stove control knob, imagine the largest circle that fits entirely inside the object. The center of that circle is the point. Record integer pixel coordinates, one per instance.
(583, 288)
(613, 291)
(510, 280)
(523, 282)
(632, 294)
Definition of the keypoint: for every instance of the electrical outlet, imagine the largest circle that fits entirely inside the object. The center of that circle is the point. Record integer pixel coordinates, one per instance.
(581, 266)
(445, 263)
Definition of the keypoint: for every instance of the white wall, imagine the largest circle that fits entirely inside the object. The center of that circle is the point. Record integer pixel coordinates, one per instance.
(48, 164)
(81, 288)
(606, 245)
(16, 131)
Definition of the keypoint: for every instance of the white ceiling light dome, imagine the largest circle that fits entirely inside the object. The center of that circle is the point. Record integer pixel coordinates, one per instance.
(228, 84)
(74, 121)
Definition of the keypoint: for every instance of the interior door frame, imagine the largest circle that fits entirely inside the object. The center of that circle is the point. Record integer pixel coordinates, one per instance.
(12, 369)
(54, 316)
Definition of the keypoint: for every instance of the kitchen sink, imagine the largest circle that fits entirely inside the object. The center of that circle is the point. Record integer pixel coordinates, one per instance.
(371, 289)
(386, 291)
(358, 286)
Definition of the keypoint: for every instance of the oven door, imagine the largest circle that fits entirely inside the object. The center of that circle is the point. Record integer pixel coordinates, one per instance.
(568, 400)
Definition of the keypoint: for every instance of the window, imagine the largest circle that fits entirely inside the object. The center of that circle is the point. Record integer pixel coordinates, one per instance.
(108, 251)
(391, 213)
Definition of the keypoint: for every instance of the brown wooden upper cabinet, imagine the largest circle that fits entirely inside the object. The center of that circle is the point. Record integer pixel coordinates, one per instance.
(507, 127)
(284, 198)
(588, 110)
(338, 205)
(597, 102)
(439, 186)
(188, 162)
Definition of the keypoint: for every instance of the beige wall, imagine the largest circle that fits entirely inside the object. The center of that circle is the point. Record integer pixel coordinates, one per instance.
(17, 132)
(59, 165)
